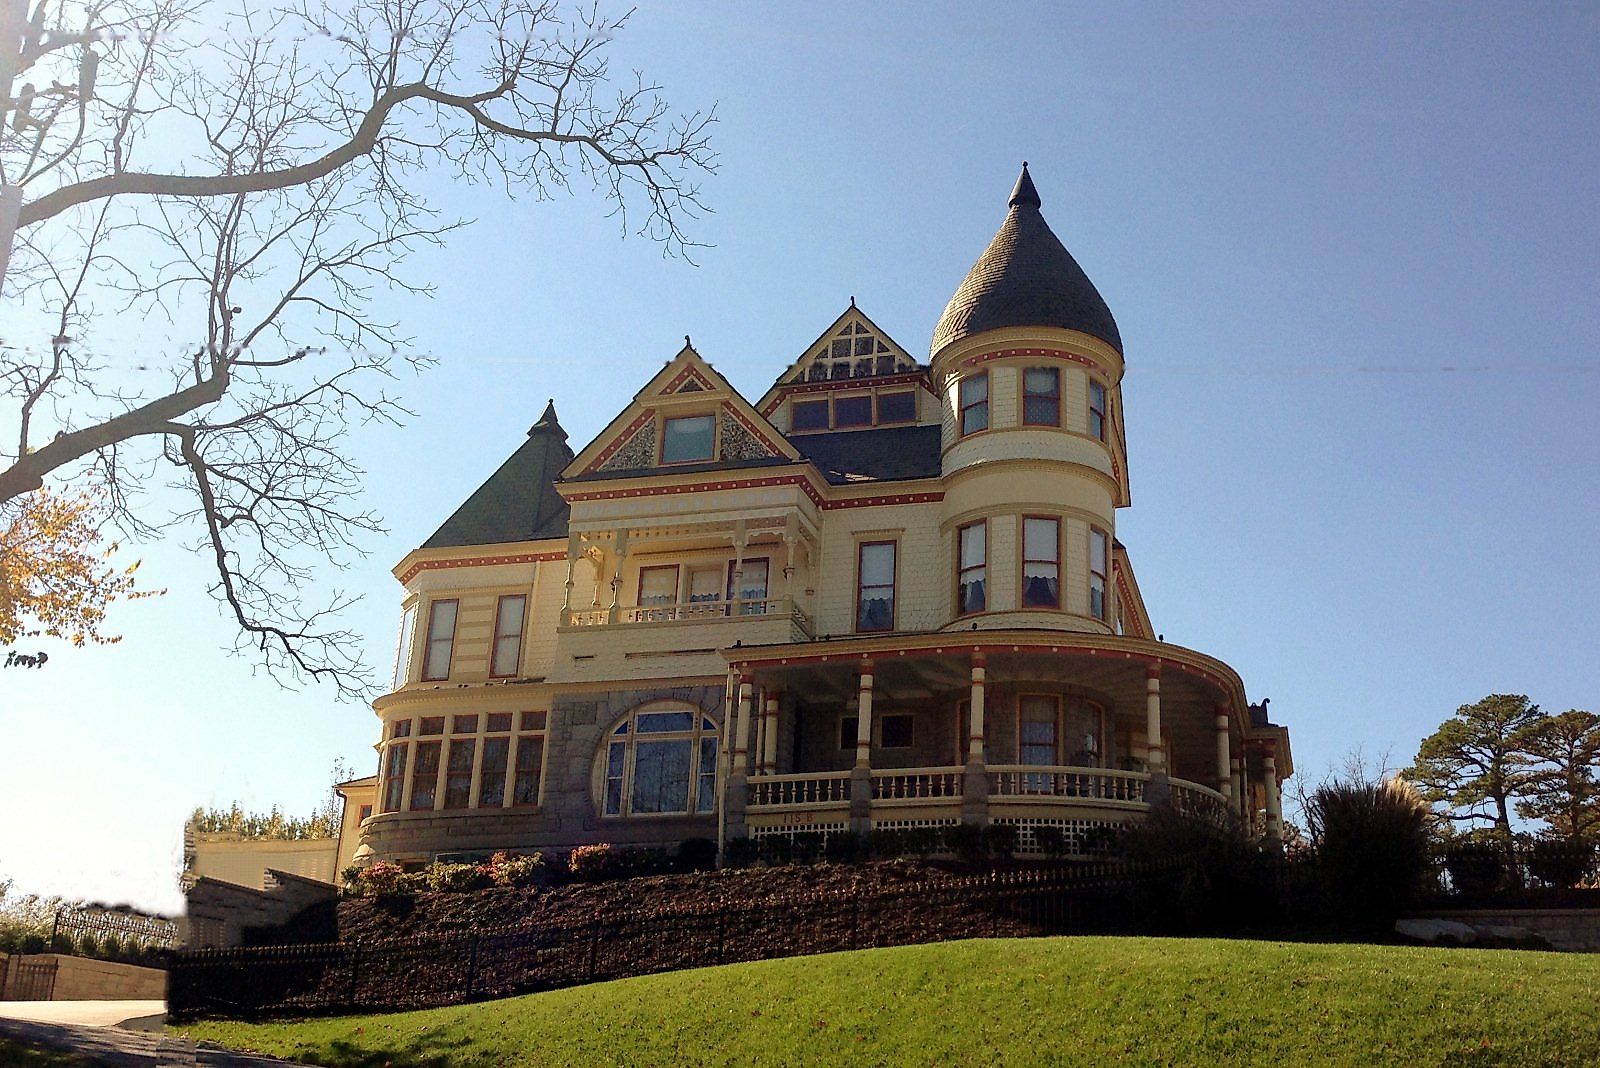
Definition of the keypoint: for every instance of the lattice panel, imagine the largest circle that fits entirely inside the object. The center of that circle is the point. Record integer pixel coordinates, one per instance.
(1072, 831)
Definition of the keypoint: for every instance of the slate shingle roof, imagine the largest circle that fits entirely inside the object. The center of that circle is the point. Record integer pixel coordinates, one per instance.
(519, 502)
(884, 454)
(1026, 277)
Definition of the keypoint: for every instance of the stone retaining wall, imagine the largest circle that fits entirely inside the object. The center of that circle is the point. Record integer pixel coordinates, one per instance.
(1569, 929)
(87, 979)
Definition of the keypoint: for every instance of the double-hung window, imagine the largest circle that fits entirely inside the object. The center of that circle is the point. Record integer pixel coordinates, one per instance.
(972, 568)
(424, 776)
(1041, 396)
(1097, 410)
(1099, 552)
(1038, 737)
(508, 624)
(441, 640)
(973, 401)
(1041, 562)
(530, 758)
(750, 584)
(402, 654)
(875, 567)
(496, 754)
(458, 763)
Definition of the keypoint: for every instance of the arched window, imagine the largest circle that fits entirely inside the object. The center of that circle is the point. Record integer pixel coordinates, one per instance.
(660, 760)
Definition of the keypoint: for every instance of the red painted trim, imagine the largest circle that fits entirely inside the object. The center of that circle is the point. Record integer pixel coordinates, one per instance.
(1126, 591)
(752, 483)
(683, 376)
(622, 438)
(1038, 354)
(777, 449)
(479, 561)
(904, 378)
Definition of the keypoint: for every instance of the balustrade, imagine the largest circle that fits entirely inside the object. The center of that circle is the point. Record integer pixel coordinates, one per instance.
(1042, 781)
(914, 784)
(821, 788)
(692, 612)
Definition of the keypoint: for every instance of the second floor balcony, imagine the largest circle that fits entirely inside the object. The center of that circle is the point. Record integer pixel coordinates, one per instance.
(708, 611)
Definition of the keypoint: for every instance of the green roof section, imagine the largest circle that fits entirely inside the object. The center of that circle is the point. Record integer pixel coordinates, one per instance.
(519, 502)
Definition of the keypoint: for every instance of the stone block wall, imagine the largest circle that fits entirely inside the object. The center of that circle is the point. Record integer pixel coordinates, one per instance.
(87, 979)
(1570, 929)
(218, 912)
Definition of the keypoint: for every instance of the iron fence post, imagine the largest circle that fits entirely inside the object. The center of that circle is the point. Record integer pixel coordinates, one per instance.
(722, 933)
(355, 970)
(594, 945)
(472, 966)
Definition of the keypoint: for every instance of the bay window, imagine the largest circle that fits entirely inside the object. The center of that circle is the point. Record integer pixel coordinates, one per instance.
(1097, 410)
(1099, 551)
(509, 615)
(424, 776)
(973, 401)
(1041, 396)
(441, 640)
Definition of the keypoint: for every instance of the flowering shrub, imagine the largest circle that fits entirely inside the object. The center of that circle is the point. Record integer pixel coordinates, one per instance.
(457, 878)
(592, 863)
(510, 869)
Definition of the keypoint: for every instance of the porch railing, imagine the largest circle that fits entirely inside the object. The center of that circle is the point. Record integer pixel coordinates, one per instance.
(1197, 799)
(692, 612)
(1025, 781)
(917, 784)
(817, 788)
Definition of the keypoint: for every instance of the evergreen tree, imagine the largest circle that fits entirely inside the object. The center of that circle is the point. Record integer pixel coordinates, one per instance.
(1475, 764)
(1563, 786)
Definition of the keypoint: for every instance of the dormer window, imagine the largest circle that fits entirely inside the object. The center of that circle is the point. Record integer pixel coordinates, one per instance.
(1097, 410)
(809, 415)
(853, 411)
(897, 407)
(688, 438)
(973, 395)
(1041, 396)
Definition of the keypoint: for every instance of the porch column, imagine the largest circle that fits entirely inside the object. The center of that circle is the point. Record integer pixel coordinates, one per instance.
(1236, 780)
(741, 742)
(1156, 761)
(769, 738)
(616, 577)
(975, 777)
(1269, 783)
(975, 706)
(1224, 778)
(861, 774)
(737, 798)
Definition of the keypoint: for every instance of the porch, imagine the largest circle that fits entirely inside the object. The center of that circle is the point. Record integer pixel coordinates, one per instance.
(1079, 733)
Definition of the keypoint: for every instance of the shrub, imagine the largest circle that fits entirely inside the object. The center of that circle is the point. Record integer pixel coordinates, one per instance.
(1560, 862)
(409, 884)
(458, 878)
(776, 848)
(637, 862)
(111, 948)
(89, 946)
(740, 852)
(842, 847)
(966, 841)
(32, 943)
(593, 863)
(62, 943)
(808, 846)
(1199, 873)
(696, 854)
(1370, 844)
(1000, 840)
(922, 841)
(1475, 867)
(887, 843)
(9, 939)
(374, 879)
(1052, 841)
(518, 870)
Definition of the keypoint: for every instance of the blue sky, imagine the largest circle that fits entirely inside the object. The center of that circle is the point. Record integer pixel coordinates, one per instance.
(1353, 251)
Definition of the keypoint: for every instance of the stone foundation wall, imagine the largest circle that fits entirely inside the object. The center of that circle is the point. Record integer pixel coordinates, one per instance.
(1570, 929)
(87, 979)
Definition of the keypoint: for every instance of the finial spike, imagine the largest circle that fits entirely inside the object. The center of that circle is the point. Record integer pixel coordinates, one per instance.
(1024, 194)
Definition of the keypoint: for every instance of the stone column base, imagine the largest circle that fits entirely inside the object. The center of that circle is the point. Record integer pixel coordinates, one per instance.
(975, 794)
(861, 800)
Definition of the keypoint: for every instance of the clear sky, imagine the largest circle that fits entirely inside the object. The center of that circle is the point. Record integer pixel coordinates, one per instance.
(1354, 252)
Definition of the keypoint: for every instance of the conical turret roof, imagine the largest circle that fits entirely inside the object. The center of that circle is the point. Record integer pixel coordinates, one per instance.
(1026, 277)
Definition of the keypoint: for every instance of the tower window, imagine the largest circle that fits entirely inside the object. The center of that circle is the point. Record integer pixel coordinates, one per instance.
(508, 625)
(1099, 545)
(1041, 562)
(972, 568)
(1097, 410)
(688, 438)
(973, 396)
(1041, 396)
(441, 640)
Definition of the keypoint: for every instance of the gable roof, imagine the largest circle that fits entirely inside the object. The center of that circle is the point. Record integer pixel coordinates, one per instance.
(519, 501)
(852, 337)
(886, 454)
(1026, 277)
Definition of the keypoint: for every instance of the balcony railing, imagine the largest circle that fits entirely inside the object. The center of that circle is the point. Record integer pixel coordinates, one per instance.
(692, 612)
(818, 788)
(1024, 782)
(1197, 800)
(917, 784)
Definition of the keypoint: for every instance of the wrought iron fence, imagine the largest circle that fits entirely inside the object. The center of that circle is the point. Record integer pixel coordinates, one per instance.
(1546, 872)
(425, 972)
(27, 978)
(132, 931)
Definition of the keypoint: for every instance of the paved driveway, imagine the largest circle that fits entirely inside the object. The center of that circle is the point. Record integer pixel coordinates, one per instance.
(121, 1034)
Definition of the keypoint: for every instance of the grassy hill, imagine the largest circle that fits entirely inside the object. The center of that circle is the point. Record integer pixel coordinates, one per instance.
(1014, 1001)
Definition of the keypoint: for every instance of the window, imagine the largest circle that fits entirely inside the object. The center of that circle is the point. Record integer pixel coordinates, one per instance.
(688, 438)
(848, 726)
(1041, 562)
(1097, 410)
(394, 775)
(897, 407)
(1037, 729)
(431, 725)
(705, 592)
(1041, 396)
(752, 585)
(809, 415)
(658, 585)
(402, 655)
(458, 772)
(530, 759)
(853, 411)
(363, 813)
(441, 640)
(972, 568)
(875, 586)
(661, 761)
(492, 779)
(895, 731)
(973, 394)
(464, 724)
(424, 776)
(1099, 545)
(508, 623)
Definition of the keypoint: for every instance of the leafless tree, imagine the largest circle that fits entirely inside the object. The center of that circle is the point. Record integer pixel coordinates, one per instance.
(249, 179)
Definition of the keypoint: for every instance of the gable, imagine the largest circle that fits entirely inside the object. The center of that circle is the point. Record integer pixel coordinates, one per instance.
(687, 388)
(853, 347)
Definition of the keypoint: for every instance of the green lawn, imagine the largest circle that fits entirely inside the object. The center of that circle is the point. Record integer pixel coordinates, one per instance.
(15, 1055)
(1034, 1001)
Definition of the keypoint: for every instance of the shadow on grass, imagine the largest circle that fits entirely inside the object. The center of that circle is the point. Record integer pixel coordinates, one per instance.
(423, 1051)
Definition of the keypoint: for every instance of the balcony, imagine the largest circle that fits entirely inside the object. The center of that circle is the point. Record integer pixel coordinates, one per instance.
(713, 612)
